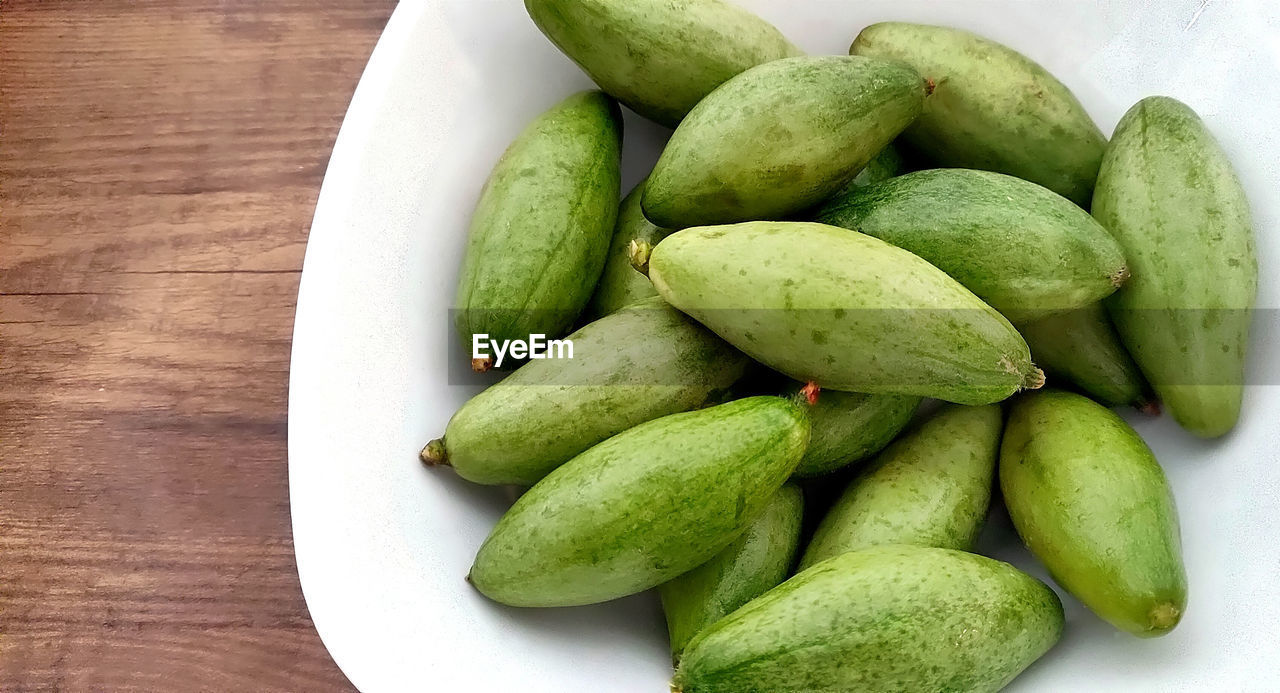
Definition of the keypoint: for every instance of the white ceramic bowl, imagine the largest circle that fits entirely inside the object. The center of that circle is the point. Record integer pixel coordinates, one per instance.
(383, 544)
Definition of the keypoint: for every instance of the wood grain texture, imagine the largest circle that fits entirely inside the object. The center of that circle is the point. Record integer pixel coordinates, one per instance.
(159, 165)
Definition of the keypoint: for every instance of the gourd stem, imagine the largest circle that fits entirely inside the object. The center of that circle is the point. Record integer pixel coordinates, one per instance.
(435, 454)
(639, 251)
(1034, 379)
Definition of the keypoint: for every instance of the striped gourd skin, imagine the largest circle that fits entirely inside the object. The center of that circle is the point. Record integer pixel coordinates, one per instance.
(992, 108)
(1169, 195)
(541, 230)
(780, 138)
(644, 506)
(659, 57)
(888, 618)
(843, 309)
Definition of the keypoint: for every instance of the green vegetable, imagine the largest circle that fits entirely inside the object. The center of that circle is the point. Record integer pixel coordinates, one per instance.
(992, 108)
(932, 487)
(1023, 249)
(779, 138)
(1082, 347)
(659, 57)
(848, 427)
(644, 506)
(753, 564)
(620, 284)
(843, 309)
(636, 365)
(889, 618)
(1091, 502)
(541, 230)
(1169, 195)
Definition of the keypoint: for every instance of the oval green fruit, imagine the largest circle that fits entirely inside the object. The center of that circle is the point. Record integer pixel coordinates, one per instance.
(842, 309)
(780, 138)
(1169, 195)
(932, 487)
(888, 618)
(1025, 250)
(992, 108)
(1091, 502)
(636, 365)
(1082, 347)
(659, 57)
(620, 284)
(643, 507)
(753, 564)
(848, 427)
(541, 230)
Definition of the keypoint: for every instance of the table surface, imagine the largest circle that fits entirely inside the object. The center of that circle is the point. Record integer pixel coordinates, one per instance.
(159, 165)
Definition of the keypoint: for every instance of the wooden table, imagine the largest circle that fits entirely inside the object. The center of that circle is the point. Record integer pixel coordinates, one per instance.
(159, 164)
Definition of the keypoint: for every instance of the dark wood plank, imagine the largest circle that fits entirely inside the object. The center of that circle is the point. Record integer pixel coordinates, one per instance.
(159, 164)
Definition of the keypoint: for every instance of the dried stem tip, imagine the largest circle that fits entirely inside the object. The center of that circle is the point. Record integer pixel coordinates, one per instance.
(1149, 407)
(810, 392)
(1034, 379)
(482, 365)
(1164, 617)
(435, 454)
(639, 252)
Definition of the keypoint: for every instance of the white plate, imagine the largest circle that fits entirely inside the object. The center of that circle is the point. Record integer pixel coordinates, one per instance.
(383, 545)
